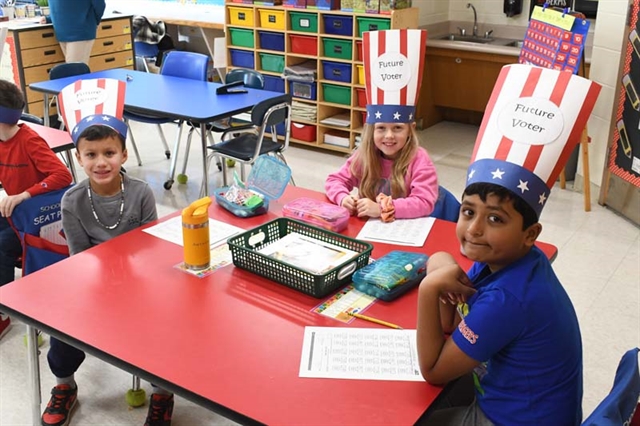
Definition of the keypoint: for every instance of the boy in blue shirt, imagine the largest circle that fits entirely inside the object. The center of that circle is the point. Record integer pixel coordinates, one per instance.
(511, 322)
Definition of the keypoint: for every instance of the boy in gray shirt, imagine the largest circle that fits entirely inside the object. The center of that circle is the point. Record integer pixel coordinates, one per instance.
(106, 204)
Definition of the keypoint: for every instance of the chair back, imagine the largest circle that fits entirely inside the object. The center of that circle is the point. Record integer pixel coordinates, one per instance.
(267, 114)
(619, 406)
(68, 69)
(145, 50)
(447, 206)
(38, 223)
(30, 118)
(251, 78)
(185, 64)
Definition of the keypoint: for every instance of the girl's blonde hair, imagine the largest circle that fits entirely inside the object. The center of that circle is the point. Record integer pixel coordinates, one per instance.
(367, 167)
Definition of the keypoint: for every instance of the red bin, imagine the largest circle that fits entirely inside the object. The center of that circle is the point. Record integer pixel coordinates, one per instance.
(305, 45)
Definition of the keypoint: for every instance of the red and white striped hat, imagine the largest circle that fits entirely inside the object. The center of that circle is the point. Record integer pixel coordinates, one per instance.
(93, 102)
(393, 66)
(532, 123)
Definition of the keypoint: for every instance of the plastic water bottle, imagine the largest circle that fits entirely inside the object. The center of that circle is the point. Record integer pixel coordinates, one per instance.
(195, 234)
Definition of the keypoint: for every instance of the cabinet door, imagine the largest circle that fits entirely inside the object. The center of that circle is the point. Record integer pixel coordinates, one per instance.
(463, 80)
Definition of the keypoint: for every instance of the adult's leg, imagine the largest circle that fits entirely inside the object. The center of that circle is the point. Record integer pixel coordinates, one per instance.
(77, 51)
(10, 251)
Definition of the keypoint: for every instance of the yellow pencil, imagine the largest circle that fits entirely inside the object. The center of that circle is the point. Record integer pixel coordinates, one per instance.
(374, 320)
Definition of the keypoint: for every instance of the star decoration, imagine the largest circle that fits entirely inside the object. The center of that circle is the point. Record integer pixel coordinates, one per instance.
(543, 198)
(396, 115)
(410, 116)
(471, 173)
(75, 129)
(105, 118)
(378, 115)
(497, 173)
(523, 186)
(90, 118)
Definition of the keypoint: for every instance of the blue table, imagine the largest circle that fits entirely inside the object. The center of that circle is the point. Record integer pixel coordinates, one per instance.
(166, 96)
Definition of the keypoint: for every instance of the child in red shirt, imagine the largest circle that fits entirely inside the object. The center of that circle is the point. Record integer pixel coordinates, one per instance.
(28, 168)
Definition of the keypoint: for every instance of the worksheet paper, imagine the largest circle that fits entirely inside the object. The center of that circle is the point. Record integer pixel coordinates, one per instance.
(360, 353)
(171, 230)
(400, 232)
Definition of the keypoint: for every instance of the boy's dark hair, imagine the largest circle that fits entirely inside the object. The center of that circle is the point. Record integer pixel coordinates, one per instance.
(483, 190)
(99, 132)
(10, 95)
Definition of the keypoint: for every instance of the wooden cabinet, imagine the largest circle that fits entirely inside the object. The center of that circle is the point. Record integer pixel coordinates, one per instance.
(270, 38)
(35, 50)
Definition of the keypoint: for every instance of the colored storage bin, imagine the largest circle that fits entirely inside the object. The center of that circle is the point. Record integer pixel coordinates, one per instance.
(338, 25)
(372, 24)
(242, 16)
(242, 1)
(305, 45)
(336, 71)
(242, 58)
(270, 18)
(361, 96)
(241, 38)
(304, 90)
(337, 48)
(364, 116)
(359, 54)
(271, 41)
(301, 4)
(273, 63)
(336, 94)
(360, 74)
(304, 22)
(323, 4)
(273, 84)
(304, 132)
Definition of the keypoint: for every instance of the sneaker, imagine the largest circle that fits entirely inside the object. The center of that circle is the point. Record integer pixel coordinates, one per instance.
(5, 324)
(160, 410)
(58, 411)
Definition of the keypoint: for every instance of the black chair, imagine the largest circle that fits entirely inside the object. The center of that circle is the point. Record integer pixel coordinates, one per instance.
(246, 144)
(30, 118)
(251, 79)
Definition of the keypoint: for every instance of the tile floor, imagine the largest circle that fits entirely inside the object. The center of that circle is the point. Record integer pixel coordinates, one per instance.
(598, 262)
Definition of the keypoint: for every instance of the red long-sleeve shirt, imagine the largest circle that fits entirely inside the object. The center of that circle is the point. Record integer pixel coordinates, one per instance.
(28, 164)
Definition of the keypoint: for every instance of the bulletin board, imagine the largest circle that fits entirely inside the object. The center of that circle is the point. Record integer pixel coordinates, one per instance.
(621, 181)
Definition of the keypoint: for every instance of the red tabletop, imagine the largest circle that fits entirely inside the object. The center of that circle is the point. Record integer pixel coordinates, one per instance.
(231, 341)
(58, 140)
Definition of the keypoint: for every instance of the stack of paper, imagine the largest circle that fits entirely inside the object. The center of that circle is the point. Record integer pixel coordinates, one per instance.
(339, 120)
(337, 138)
(302, 111)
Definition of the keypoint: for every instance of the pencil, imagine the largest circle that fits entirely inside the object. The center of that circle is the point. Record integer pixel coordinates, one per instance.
(375, 320)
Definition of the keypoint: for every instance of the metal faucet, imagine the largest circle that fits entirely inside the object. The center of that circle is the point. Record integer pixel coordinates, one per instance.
(475, 19)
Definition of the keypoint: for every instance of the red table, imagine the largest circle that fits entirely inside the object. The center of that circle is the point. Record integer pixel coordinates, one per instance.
(230, 342)
(59, 141)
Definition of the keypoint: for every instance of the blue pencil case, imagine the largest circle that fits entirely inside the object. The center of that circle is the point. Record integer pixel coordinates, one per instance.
(392, 275)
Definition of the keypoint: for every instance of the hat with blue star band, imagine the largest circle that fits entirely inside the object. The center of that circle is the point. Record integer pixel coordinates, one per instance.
(97, 102)
(533, 121)
(393, 64)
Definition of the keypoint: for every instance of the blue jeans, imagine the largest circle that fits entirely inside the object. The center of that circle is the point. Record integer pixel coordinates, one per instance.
(10, 252)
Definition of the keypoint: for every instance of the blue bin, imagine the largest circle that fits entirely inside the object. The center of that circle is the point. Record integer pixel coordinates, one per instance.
(242, 58)
(304, 90)
(336, 71)
(271, 41)
(338, 25)
(274, 84)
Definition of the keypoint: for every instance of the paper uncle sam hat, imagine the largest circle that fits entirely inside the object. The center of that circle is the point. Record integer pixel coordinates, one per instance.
(393, 65)
(532, 123)
(93, 102)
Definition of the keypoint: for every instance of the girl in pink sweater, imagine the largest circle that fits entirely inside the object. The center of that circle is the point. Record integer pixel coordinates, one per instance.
(389, 161)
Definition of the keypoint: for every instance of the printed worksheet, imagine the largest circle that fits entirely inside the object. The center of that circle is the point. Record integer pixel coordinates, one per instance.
(360, 353)
(401, 232)
(171, 230)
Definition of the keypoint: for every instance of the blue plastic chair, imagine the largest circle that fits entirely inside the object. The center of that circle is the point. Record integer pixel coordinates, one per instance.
(143, 52)
(618, 407)
(251, 79)
(447, 206)
(177, 64)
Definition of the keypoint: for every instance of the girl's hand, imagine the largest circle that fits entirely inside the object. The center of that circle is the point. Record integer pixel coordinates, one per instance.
(368, 208)
(349, 203)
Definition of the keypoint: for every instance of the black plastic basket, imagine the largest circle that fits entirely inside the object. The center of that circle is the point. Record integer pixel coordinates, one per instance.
(244, 251)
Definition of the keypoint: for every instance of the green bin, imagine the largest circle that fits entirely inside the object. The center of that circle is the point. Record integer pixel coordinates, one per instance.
(305, 22)
(337, 48)
(270, 62)
(241, 38)
(372, 24)
(336, 94)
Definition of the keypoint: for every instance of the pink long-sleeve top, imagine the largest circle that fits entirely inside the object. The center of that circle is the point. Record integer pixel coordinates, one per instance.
(421, 183)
